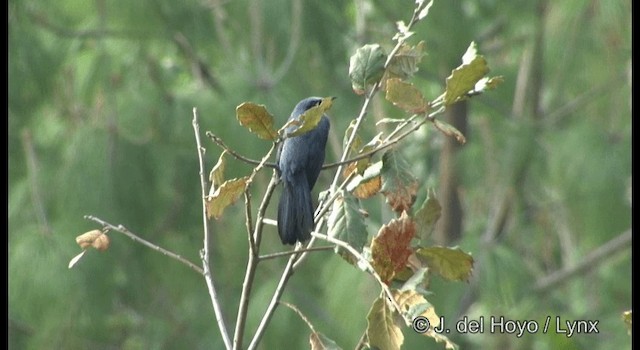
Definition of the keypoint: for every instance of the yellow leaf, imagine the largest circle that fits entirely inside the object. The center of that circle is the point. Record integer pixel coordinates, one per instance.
(451, 263)
(310, 119)
(224, 196)
(216, 176)
(405, 96)
(257, 119)
(383, 330)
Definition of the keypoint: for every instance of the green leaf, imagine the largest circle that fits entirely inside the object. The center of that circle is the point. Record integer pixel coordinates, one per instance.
(449, 130)
(347, 224)
(319, 341)
(398, 184)
(451, 263)
(383, 329)
(310, 119)
(427, 216)
(224, 196)
(257, 119)
(404, 64)
(405, 96)
(464, 78)
(366, 67)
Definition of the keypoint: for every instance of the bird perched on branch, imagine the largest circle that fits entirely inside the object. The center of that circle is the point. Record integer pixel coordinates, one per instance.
(299, 161)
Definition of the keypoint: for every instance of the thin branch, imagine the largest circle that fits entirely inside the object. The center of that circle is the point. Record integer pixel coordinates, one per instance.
(286, 274)
(291, 252)
(364, 262)
(220, 25)
(587, 263)
(136, 238)
(389, 141)
(34, 183)
(322, 209)
(362, 341)
(249, 222)
(277, 294)
(252, 243)
(218, 141)
(572, 106)
(199, 68)
(257, 233)
(302, 316)
(99, 33)
(294, 41)
(293, 260)
(371, 94)
(208, 275)
(252, 263)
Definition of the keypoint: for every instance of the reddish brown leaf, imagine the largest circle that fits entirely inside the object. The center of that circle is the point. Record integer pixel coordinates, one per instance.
(390, 249)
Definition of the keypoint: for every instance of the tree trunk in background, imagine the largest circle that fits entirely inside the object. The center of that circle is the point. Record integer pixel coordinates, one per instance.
(449, 227)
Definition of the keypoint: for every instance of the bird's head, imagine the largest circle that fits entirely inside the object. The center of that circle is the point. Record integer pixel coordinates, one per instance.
(305, 105)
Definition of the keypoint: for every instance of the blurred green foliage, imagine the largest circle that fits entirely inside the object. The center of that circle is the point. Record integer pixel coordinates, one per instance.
(100, 100)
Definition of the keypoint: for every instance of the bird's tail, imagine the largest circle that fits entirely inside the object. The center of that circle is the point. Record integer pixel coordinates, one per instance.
(295, 212)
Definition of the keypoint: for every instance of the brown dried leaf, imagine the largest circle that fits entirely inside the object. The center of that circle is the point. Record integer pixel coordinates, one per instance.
(390, 249)
(94, 238)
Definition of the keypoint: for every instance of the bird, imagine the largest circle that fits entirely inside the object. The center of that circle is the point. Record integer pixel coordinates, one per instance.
(299, 161)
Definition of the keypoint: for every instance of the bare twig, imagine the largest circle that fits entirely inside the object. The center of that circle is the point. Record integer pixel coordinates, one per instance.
(208, 275)
(249, 221)
(294, 41)
(218, 141)
(286, 274)
(199, 68)
(322, 209)
(277, 294)
(97, 33)
(252, 244)
(34, 183)
(220, 25)
(302, 316)
(597, 256)
(364, 262)
(291, 252)
(136, 238)
(255, 238)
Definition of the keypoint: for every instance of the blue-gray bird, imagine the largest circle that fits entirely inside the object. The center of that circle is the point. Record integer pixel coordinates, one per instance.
(299, 162)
